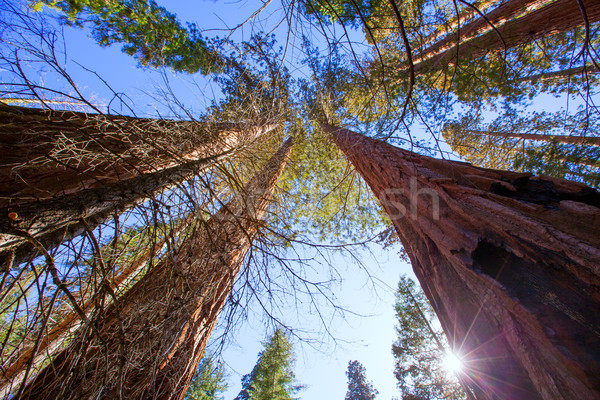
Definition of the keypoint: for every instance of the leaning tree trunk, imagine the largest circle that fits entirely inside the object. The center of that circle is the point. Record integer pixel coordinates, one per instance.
(560, 16)
(153, 338)
(34, 354)
(581, 140)
(26, 230)
(504, 12)
(509, 261)
(564, 74)
(51, 153)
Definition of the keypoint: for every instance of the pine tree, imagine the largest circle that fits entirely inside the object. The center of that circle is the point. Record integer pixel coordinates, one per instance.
(358, 386)
(272, 378)
(149, 33)
(507, 260)
(209, 382)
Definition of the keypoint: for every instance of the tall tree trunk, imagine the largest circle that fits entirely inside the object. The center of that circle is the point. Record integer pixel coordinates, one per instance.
(560, 16)
(50, 222)
(504, 12)
(34, 354)
(581, 140)
(562, 74)
(510, 263)
(52, 153)
(153, 338)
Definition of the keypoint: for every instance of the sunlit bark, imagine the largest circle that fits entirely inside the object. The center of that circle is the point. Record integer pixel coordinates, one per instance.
(498, 16)
(559, 16)
(509, 261)
(52, 153)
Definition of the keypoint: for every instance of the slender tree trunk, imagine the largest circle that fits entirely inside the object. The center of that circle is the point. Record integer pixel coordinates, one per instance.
(560, 16)
(14, 371)
(581, 140)
(561, 75)
(510, 263)
(50, 222)
(505, 12)
(52, 153)
(579, 160)
(154, 336)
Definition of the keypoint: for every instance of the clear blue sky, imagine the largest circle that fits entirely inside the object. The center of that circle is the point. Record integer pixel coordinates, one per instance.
(366, 338)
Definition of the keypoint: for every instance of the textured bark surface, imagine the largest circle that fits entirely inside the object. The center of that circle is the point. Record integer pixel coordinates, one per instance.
(498, 16)
(55, 220)
(560, 16)
(51, 153)
(153, 338)
(509, 261)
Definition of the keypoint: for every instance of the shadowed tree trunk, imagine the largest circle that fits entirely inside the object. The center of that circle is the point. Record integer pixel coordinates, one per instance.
(509, 261)
(52, 153)
(47, 223)
(560, 16)
(152, 339)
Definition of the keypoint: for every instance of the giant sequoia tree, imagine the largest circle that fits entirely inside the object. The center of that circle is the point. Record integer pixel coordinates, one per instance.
(82, 168)
(508, 261)
(149, 342)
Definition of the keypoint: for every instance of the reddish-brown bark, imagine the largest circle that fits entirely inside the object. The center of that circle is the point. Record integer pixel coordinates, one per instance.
(466, 14)
(52, 153)
(556, 17)
(54, 220)
(152, 340)
(509, 261)
(499, 15)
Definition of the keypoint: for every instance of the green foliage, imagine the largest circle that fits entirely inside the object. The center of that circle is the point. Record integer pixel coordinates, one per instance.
(417, 352)
(358, 386)
(254, 83)
(272, 378)
(344, 11)
(209, 382)
(328, 199)
(148, 32)
(579, 163)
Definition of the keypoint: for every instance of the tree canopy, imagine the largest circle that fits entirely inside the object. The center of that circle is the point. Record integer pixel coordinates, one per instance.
(210, 381)
(358, 386)
(503, 84)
